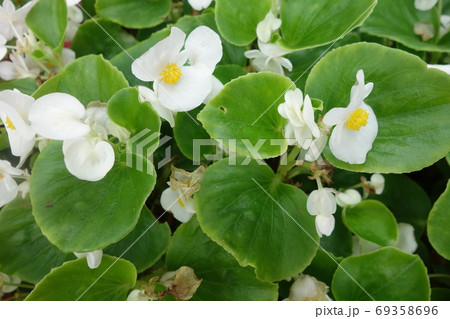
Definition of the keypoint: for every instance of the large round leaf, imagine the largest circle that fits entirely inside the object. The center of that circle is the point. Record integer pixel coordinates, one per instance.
(145, 245)
(82, 216)
(244, 115)
(24, 251)
(74, 281)
(439, 224)
(395, 20)
(411, 104)
(262, 222)
(237, 20)
(387, 274)
(90, 78)
(134, 14)
(222, 277)
(372, 221)
(311, 23)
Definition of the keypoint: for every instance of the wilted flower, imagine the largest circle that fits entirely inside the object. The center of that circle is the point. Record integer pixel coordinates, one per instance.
(356, 125)
(377, 182)
(308, 288)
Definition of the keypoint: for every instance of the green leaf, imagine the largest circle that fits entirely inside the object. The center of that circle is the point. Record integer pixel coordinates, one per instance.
(262, 222)
(439, 223)
(387, 274)
(222, 277)
(340, 242)
(74, 281)
(372, 221)
(126, 110)
(406, 200)
(145, 245)
(323, 266)
(48, 20)
(250, 121)
(395, 20)
(226, 73)
(100, 37)
(411, 103)
(26, 86)
(82, 216)
(134, 14)
(237, 20)
(24, 251)
(90, 78)
(320, 22)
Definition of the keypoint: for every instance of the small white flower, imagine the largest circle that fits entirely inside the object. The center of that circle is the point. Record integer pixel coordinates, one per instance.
(267, 26)
(350, 197)
(424, 5)
(181, 207)
(138, 295)
(269, 58)
(147, 95)
(443, 67)
(406, 239)
(8, 186)
(322, 204)
(12, 21)
(94, 258)
(3, 49)
(14, 109)
(308, 288)
(180, 87)
(21, 66)
(301, 127)
(75, 17)
(424, 29)
(377, 182)
(14, 280)
(200, 4)
(356, 125)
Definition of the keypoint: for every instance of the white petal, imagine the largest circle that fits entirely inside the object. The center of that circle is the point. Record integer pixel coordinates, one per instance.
(203, 45)
(58, 116)
(94, 258)
(8, 188)
(189, 92)
(19, 101)
(199, 4)
(67, 56)
(442, 67)
(377, 181)
(8, 169)
(352, 146)
(324, 225)
(137, 295)
(267, 26)
(321, 202)
(406, 239)
(272, 50)
(149, 66)
(88, 159)
(72, 2)
(307, 288)
(7, 71)
(316, 148)
(336, 115)
(359, 91)
(147, 95)
(350, 197)
(424, 5)
(308, 117)
(20, 15)
(174, 201)
(253, 54)
(217, 86)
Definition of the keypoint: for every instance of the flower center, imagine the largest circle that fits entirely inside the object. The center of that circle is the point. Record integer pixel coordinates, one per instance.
(357, 119)
(10, 124)
(171, 73)
(1, 176)
(180, 202)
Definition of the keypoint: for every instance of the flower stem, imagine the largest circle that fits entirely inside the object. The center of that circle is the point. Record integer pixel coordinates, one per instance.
(284, 169)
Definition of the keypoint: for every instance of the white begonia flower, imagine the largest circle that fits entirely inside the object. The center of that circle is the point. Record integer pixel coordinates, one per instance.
(12, 21)
(8, 186)
(316, 148)
(267, 26)
(181, 207)
(301, 127)
(75, 17)
(424, 5)
(443, 67)
(356, 125)
(377, 181)
(147, 95)
(14, 109)
(350, 197)
(424, 29)
(199, 4)
(5, 279)
(21, 66)
(217, 86)
(177, 86)
(94, 258)
(322, 204)
(3, 49)
(138, 295)
(269, 58)
(308, 288)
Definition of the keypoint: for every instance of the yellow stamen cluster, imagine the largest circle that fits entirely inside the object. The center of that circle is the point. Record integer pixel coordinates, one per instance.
(1, 176)
(171, 73)
(180, 202)
(357, 119)
(10, 124)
